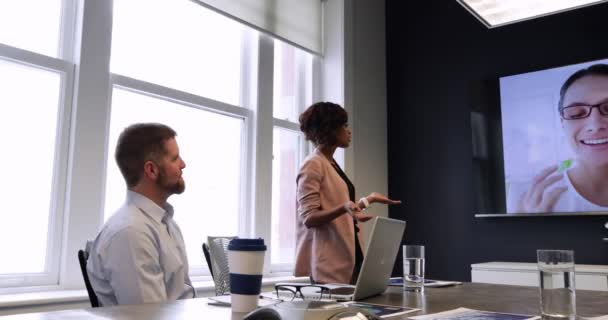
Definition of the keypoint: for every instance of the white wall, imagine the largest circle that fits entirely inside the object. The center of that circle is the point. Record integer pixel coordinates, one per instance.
(354, 74)
(366, 92)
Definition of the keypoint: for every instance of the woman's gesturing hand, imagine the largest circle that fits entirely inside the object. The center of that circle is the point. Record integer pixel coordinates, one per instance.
(538, 198)
(351, 208)
(362, 217)
(378, 197)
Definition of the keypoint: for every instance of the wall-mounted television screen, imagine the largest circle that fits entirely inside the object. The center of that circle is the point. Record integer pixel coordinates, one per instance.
(555, 140)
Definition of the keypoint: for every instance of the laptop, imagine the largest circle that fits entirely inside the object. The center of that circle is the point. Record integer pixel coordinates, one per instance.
(378, 262)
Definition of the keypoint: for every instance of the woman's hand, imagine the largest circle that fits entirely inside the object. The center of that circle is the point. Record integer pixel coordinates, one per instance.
(537, 199)
(351, 208)
(362, 217)
(378, 197)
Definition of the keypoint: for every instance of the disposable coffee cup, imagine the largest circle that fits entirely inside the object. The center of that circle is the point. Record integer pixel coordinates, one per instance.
(246, 264)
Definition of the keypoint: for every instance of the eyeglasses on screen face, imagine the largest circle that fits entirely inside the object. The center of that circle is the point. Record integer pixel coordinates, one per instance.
(304, 291)
(581, 111)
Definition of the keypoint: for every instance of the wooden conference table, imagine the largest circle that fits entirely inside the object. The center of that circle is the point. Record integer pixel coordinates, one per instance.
(489, 297)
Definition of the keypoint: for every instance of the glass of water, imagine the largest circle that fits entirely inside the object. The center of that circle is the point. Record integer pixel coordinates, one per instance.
(557, 288)
(413, 268)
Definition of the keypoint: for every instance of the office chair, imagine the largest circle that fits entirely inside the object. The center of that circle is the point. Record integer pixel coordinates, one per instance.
(216, 254)
(82, 260)
(208, 258)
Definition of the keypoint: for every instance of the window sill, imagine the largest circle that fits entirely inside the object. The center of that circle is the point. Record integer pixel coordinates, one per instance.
(31, 299)
(42, 298)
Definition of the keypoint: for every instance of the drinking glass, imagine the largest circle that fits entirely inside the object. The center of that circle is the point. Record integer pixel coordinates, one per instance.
(413, 268)
(557, 287)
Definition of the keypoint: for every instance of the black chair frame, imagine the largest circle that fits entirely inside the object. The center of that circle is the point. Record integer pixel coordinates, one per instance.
(208, 258)
(83, 256)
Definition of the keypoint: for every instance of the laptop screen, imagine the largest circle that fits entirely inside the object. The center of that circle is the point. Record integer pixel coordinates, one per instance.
(380, 256)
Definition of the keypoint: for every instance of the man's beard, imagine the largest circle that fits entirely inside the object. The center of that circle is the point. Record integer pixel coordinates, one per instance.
(175, 188)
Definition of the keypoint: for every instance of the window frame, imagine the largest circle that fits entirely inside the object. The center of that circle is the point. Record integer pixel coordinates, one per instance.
(200, 103)
(304, 96)
(244, 111)
(78, 198)
(65, 70)
(302, 149)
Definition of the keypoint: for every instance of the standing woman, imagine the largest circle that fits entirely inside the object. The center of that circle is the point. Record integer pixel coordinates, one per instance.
(328, 247)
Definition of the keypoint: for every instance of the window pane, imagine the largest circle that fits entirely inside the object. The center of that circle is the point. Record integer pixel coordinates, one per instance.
(31, 25)
(30, 100)
(285, 162)
(178, 44)
(210, 144)
(292, 81)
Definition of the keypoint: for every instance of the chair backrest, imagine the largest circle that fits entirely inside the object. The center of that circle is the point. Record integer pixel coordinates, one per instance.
(208, 258)
(218, 262)
(83, 256)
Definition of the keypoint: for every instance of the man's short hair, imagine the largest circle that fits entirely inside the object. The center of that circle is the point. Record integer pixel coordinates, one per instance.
(137, 144)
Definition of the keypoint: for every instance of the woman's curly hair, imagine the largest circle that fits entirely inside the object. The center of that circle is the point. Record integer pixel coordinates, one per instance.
(320, 122)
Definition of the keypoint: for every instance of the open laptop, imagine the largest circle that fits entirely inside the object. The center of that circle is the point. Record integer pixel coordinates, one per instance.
(378, 262)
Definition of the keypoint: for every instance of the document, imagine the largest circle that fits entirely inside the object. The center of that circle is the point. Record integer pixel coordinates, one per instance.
(380, 310)
(398, 282)
(224, 301)
(471, 314)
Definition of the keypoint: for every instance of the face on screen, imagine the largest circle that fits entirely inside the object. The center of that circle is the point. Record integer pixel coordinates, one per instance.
(588, 137)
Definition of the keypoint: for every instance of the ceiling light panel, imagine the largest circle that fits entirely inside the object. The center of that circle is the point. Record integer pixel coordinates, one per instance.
(494, 13)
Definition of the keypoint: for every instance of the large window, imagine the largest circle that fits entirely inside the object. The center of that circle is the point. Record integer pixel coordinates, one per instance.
(31, 121)
(176, 44)
(31, 25)
(285, 160)
(194, 86)
(74, 74)
(292, 94)
(210, 144)
(36, 85)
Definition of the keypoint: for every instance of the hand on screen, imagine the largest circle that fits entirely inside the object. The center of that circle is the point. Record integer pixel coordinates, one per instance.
(378, 197)
(537, 198)
(362, 217)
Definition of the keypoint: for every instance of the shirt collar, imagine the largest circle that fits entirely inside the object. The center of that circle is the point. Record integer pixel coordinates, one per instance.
(159, 214)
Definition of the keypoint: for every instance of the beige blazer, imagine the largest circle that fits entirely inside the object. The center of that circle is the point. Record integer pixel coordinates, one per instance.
(327, 252)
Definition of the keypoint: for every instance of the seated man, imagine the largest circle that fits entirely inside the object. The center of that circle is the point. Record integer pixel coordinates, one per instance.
(139, 255)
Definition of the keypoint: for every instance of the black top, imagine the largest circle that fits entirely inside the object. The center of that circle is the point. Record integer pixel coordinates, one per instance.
(351, 196)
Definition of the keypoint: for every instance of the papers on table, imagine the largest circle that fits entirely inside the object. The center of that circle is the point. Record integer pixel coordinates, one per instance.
(382, 311)
(224, 301)
(398, 281)
(468, 314)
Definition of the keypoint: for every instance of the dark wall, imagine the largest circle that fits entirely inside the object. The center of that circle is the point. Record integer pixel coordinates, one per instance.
(437, 53)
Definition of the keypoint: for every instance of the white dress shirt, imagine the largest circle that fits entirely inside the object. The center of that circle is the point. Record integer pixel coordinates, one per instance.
(139, 256)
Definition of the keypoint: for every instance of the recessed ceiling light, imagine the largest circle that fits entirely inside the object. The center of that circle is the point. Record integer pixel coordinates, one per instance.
(495, 13)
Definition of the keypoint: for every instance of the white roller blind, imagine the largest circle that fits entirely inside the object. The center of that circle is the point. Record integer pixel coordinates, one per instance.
(298, 22)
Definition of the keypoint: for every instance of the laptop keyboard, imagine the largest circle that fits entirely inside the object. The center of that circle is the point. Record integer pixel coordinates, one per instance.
(342, 291)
